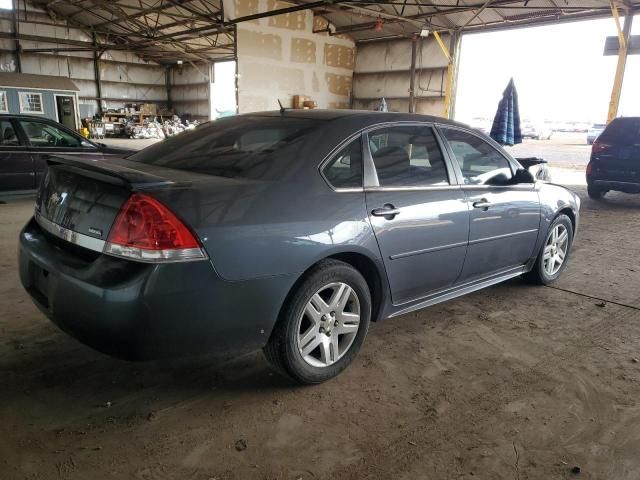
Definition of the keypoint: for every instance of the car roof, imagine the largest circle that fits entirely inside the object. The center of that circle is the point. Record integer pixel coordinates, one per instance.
(361, 115)
(26, 117)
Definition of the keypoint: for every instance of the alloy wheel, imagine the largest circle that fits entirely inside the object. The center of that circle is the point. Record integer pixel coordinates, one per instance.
(555, 250)
(328, 325)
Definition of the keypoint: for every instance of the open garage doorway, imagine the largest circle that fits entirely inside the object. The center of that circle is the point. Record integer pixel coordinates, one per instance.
(222, 97)
(564, 85)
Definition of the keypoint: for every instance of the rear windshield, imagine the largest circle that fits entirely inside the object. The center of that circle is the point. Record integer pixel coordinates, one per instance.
(622, 131)
(242, 146)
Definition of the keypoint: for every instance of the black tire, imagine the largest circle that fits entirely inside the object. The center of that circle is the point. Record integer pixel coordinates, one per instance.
(594, 192)
(538, 274)
(282, 351)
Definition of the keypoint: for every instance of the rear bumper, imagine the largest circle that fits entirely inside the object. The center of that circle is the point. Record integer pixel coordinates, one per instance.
(627, 187)
(145, 311)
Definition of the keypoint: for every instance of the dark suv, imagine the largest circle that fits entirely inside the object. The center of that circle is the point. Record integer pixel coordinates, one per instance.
(615, 159)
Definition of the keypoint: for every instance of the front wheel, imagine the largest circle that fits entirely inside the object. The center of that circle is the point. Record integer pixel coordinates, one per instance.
(554, 253)
(323, 324)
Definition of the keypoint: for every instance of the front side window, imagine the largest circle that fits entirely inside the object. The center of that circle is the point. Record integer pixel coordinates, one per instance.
(30, 102)
(407, 156)
(480, 163)
(344, 170)
(41, 134)
(8, 137)
(4, 105)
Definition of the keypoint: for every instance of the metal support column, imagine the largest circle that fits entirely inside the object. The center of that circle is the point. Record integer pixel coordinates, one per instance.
(96, 72)
(167, 83)
(456, 41)
(623, 38)
(448, 92)
(412, 81)
(18, 47)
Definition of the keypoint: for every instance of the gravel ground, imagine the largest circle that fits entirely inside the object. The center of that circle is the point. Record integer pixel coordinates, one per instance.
(512, 382)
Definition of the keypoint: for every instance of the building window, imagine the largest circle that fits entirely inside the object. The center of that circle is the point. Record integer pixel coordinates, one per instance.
(4, 106)
(30, 102)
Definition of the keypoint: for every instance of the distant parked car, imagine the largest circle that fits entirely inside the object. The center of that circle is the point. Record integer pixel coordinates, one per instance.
(287, 231)
(536, 132)
(595, 131)
(26, 142)
(615, 159)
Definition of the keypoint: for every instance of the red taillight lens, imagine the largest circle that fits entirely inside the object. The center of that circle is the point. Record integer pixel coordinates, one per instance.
(589, 168)
(146, 230)
(599, 147)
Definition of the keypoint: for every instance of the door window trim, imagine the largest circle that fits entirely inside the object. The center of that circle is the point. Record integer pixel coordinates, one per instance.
(371, 182)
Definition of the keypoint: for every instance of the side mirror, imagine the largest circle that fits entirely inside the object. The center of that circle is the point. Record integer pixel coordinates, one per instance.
(523, 176)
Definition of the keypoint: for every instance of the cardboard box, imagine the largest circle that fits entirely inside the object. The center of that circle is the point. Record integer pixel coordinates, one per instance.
(148, 109)
(298, 101)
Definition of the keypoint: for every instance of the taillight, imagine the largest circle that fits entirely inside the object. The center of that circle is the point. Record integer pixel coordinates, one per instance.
(589, 168)
(599, 147)
(147, 231)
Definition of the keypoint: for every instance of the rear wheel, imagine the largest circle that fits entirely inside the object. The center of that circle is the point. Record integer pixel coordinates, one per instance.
(554, 253)
(594, 192)
(323, 324)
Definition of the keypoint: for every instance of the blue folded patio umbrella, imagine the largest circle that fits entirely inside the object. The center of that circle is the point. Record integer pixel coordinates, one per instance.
(506, 124)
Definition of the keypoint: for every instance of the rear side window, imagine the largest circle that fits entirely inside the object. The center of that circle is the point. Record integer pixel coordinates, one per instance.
(244, 146)
(622, 131)
(407, 156)
(344, 170)
(8, 137)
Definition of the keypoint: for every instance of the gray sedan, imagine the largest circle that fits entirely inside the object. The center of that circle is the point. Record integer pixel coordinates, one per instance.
(287, 231)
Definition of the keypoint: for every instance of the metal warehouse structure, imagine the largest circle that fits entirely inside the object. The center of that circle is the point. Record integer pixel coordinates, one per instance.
(168, 46)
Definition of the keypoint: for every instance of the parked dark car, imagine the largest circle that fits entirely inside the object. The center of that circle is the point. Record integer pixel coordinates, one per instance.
(27, 141)
(615, 159)
(285, 231)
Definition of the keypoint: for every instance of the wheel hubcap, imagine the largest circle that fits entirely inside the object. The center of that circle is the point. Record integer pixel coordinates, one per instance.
(329, 324)
(555, 249)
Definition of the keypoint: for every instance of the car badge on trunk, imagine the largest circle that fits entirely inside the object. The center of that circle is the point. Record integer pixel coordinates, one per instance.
(95, 231)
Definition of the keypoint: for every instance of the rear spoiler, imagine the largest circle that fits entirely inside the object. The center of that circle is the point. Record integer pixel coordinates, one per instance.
(110, 172)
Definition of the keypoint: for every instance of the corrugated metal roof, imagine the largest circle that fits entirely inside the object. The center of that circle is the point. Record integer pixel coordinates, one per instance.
(373, 20)
(27, 80)
(163, 31)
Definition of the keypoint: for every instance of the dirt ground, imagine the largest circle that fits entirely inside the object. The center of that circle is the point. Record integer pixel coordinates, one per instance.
(513, 382)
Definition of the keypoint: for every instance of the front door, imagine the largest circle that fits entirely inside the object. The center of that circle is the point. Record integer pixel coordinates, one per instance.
(66, 111)
(16, 164)
(504, 217)
(418, 213)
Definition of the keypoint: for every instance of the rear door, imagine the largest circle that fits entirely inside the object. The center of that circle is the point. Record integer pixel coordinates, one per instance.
(504, 218)
(16, 164)
(418, 211)
(46, 139)
(619, 151)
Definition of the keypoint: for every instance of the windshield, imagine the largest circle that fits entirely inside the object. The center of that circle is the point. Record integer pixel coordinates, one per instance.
(242, 146)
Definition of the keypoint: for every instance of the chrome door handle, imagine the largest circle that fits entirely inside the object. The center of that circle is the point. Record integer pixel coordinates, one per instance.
(484, 204)
(388, 211)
